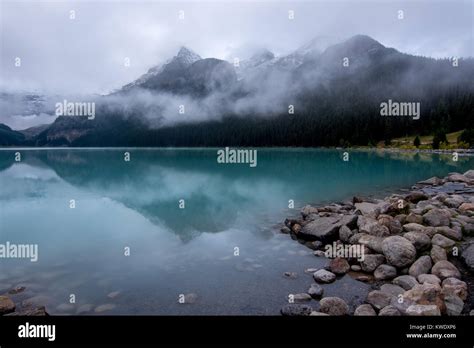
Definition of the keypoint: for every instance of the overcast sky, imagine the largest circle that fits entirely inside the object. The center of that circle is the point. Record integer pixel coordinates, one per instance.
(86, 54)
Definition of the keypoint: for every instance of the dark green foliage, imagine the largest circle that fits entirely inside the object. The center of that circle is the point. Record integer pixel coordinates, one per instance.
(417, 142)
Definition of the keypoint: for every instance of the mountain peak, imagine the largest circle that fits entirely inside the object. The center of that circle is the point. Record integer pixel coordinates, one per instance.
(187, 56)
(364, 42)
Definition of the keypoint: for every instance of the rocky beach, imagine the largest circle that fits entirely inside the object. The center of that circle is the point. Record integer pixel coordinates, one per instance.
(415, 249)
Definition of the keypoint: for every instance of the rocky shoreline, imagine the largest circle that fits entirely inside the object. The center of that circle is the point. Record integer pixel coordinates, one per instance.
(416, 250)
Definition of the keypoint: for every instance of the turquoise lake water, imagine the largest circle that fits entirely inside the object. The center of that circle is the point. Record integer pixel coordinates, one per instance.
(175, 251)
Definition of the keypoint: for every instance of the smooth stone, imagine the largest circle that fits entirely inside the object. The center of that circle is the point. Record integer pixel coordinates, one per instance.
(315, 291)
(405, 281)
(428, 278)
(339, 266)
(303, 297)
(425, 294)
(378, 299)
(345, 233)
(414, 218)
(421, 266)
(399, 251)
(438, 254)
(371, 262)
(389, 311)
(449, 232)
(323, 276)
(356, 268)
(392, 289)
(333, 306)
(318, 314)
(423, 310)
(384, 272)
(85, 308)
(442, 241)
(420, 240)
(365, 310)
(467, 256)
(445, 269)
(413, 227)
(466, 207)
(454, 305)
(437, 217)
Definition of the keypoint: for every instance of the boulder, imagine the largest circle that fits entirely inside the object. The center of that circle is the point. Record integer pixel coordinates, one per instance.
(371, 262)
(365, 310)
(392, 289)
(445, 269)
(423, 310)
(378, 299)
(333, 306)
(449, 232)
(384, 272)
(428, 278)
(454, 305)
(438, 254)
(434, 181)
(414, 218)
(453, 286)
(308, 210)
(405, 281)
(398, 251)
(345, 233)
(323, 276)
(421, 266)
(373, 242)
(442, 241)
(326, 229)
(425, 294)
(372, 227)
(412, 226)
(469, 174)
(420, 240)
(389, 311)
(437, 217)
(467, 256)
(339, 266)
(315, 291)
(416, 196)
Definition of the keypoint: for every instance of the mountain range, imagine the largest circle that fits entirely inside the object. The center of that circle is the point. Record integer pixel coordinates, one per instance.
(328, 92)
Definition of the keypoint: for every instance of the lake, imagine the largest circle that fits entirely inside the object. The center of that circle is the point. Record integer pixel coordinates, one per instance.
(174, 221)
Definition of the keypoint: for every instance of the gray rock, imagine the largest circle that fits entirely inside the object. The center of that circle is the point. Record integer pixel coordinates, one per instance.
(423, 310)
(315, 291)
(428, 278)
(389, 311)
(416, 196)
(454, 305)
(378, 299)
(296, 310)
(333, 306)
(368, 209)
(303, 297)
(419, 239)
(345, 234)
(449, 232)
(365, 310)
(326, 228)
(372, 227)
(405, 281)
(323, 276)
(414, 218)
(421, 266)
(469, 174)
(308, 210)
(442, 241)
(29, 312)
(392, 289)
(453, 286)
(398, 251)
(318, 314)
(434, 181)
(356, 268)
(438, 254)
(339, 266)
(285, 230)
(437, 217)
(467, 256)
(445, 269)
(384, 272)
(373, 242)
(413, 227)
(371, 262)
